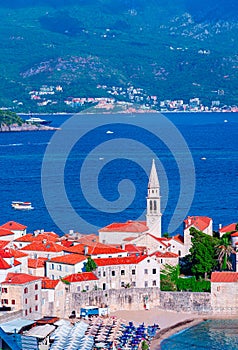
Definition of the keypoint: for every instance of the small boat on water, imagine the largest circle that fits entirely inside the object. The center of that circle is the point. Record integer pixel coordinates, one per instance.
(22, 205)
(37, 120)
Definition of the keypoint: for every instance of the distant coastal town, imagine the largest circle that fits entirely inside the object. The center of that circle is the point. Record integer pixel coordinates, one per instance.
(49, 99)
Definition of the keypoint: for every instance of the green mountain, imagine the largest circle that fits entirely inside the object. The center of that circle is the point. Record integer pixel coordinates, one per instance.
(174, 49)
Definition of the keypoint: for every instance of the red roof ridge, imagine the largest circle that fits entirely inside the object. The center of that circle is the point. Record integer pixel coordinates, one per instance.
(20, 278)
(13, 225)
(120, 261)
(80, 277)
(70, 259)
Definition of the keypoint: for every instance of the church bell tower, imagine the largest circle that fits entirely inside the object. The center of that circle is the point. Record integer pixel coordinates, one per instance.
(153, 216)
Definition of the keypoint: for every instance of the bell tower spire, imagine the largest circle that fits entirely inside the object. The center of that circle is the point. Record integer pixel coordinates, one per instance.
(153, 216)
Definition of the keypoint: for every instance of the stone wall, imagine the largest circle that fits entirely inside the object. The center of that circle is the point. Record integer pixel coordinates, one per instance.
(134, 299)
(199, 303)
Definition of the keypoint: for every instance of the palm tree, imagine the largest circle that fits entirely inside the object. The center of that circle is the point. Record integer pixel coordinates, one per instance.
(224, 250)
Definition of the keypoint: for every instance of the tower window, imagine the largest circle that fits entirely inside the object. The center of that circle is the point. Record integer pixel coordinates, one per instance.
(151, 205)
(155, 205)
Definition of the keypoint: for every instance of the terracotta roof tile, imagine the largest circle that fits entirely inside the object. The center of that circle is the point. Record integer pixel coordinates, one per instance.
(235, 234)
(96, 249)
(47, 246)
(224, 277)
(3, 264)
(20, 278)
(129, 226)
(3, 244)
(228, 228)
(15, 226)
(177, 238)
(162, 240)
(165, 255)
(80, 277)
(200, 222)
(48, 283)
(120, 261)
(5, 232)
(36, 263)
(26, 238)
(70, 259)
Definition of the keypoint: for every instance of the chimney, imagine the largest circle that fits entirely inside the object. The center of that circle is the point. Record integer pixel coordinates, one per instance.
(123, 246)
(44, 241)
(71, 232)
(36, 232)
(220, 226)
(42, 230)
(85, 250)
(189, 221)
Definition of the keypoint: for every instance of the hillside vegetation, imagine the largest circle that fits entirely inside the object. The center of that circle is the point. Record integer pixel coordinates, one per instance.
(172, 49)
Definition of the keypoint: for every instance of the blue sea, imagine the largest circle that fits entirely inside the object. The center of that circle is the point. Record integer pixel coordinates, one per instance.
(70, 190)
(211, 334)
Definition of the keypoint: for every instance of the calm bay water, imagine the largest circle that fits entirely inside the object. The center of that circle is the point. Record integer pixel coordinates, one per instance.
(211, 334)
(212, 141)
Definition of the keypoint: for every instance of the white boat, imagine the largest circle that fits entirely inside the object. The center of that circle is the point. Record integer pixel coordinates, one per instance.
(22, 205)
(109, 132)
(37, 120)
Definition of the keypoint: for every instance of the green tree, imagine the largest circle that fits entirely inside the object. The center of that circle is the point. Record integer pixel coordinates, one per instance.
(144, 345)
(166, 235)
(203, 253)
(224, 250)
(90, 265)
(168, 277)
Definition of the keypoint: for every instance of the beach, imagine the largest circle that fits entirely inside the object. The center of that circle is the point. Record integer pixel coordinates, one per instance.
(170, 322)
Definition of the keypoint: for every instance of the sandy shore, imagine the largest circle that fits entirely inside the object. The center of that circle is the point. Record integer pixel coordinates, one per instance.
(170, 322)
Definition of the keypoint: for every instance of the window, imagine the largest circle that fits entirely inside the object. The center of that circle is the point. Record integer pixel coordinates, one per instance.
(52, 266)
(155, 205)
(4, 290)
(87, 288)
(25, 301)
(25, 290)
(59, 267)
(154, 271)
(36, 308)
(36, 297)
(122, 272)
(26, 312)
(133, 284)
(13, 302)
(133, 272)
(154, 283)
(99, 273)
(122, 284)
(148, 260)
(218, 289)
(151, 206)
(78, 289)
(36, 286)
(146, 284)
(30, 310)
(52, 277)
(113, 273)
(104, 273)
(179, 252)
(145, 271)
(4, 301)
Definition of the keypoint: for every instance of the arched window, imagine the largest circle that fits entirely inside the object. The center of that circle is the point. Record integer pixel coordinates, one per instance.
(151, 206)
(155, 205)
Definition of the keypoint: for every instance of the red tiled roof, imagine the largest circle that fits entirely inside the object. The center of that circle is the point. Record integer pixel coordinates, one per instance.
(48, 283)
(16, 262)
(165, 255)
(120, 261)
(235, 234)
(5, 253)
(26, 238)
(224, 277)
(129, 239)
(5, 232)
(129, 226)
(20, 278)
(162, 240)
(47, 246)
(15, 226)
(49, 236)
(200, 222)
(3, 264)
(80, 277)
(96, 249)
(17, 253)
(70, 259)
(36, 263)
(228, 228)
(130, 248)
(177, 238)
(3, 244)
